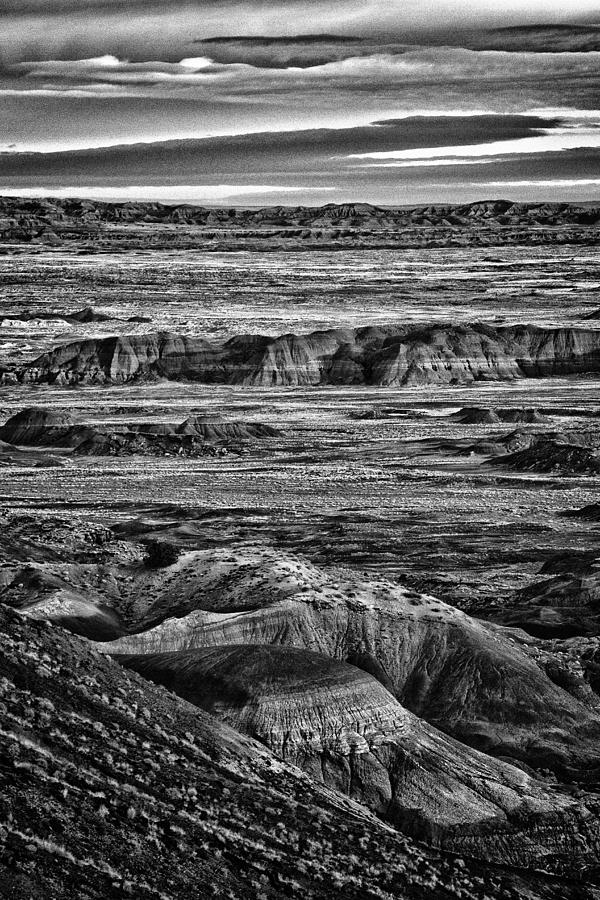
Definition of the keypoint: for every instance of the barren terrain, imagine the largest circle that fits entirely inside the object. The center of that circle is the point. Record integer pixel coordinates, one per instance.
(390, 586)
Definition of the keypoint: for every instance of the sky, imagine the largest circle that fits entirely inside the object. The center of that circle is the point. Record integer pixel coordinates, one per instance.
(266, 102)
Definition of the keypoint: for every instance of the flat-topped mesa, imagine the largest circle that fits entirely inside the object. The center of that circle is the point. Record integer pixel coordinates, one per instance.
(391, 355)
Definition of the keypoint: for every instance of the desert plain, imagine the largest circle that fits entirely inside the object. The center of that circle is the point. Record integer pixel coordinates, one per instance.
(386, 581)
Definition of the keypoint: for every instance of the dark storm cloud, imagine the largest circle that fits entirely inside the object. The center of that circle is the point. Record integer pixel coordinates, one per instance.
(281, 39)
(257, 156)
(580, 163)
(289, 50)
(535, 39)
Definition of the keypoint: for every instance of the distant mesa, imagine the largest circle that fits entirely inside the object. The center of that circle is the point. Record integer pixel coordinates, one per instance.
(196, 436)
(552, 456)
(476, 415)
(387, 355)
(214, 430)
(482, 415)
(385, 412)
(347, 731)
(504, 446)
(83, 316)
(132, 443)
(38, 426)
(591, 512)
(88, 314)
(31, 219)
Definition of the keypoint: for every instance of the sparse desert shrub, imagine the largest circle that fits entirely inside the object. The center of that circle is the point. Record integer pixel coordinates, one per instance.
(160, 554)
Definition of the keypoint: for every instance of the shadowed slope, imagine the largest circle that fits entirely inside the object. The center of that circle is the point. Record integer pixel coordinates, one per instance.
(346, 730)
(461, 675)
(111, 787)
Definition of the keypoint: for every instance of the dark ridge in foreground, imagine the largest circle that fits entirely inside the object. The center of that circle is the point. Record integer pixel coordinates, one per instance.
(391, 355)
(112, 787)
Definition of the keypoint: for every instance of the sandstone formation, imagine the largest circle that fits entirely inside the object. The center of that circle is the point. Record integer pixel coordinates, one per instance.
(196, 436)
(459, 674)
(484, 415)
(392, 355)
(133, 443)
(548, 456)
(84, 316)
(111, 787)
(36, 425)
(566, 604)
(214, 430)
(541, 448)
(346, 730)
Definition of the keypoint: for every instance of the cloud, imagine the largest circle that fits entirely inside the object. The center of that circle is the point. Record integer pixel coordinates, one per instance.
(107, 99)
(171, 95)
(181, 193)
(444, 67)
(164, 29)
(289, 153)
(554, 140)
(537, 38)
(549, 182)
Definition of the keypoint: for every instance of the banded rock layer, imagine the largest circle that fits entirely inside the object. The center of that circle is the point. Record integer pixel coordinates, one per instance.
(113, 788)
(40, 427)
(392, 355)
(463, 676)
(346, 730)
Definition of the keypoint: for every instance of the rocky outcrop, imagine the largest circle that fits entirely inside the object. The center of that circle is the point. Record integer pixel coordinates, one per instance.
(392, 355)
(459, 674)
(215, 430)
(133, 443)
(83, 316)
(551, 456)
(212, 429)
(564, 603)
(113, 787)
(196, 436)
(36, 425)
(484, 415)
(347, 731)
(590, 512)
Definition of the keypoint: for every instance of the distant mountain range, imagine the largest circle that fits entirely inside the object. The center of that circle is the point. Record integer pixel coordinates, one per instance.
(130, 224)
